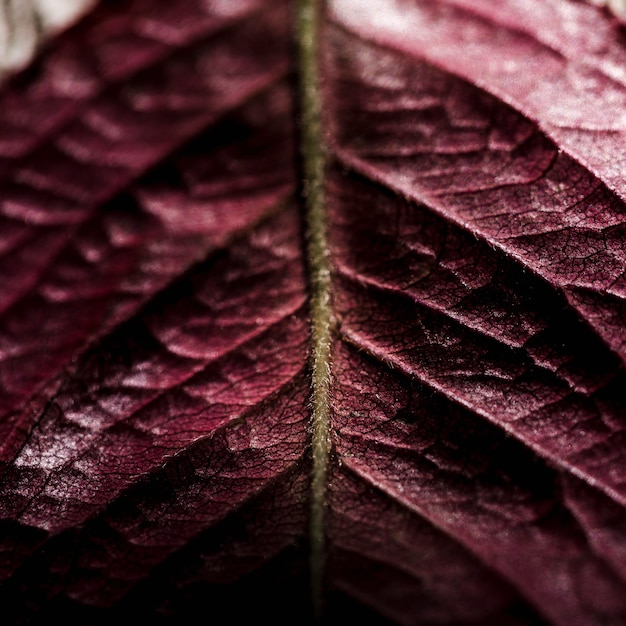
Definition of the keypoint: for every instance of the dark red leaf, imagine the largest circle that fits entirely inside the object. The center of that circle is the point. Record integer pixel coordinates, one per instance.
(168, 291)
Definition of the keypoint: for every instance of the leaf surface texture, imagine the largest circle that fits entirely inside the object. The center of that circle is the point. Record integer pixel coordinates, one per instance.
(158, 315)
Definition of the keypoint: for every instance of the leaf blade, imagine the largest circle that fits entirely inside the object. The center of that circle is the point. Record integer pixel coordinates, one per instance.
(165, 459)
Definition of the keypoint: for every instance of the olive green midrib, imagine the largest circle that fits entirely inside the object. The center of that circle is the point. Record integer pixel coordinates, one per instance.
(313, 157)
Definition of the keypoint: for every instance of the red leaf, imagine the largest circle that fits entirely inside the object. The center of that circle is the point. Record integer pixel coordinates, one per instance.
(182, 243)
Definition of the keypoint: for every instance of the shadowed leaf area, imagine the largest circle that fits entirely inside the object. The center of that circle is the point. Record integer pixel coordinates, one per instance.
(164, 277)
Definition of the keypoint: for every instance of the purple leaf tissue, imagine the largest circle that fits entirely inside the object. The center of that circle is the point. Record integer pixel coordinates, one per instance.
(314, 312)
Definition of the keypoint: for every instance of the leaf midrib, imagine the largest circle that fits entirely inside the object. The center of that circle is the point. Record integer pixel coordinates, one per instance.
(313, 162)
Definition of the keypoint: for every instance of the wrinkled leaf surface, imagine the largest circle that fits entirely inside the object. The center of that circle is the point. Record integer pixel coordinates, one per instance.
(157, 390)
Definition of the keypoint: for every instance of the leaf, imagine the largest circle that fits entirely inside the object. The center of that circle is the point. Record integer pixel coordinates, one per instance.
(315, 313)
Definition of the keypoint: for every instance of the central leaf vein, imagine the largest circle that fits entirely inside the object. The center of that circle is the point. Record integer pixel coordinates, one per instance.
(313, 156)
